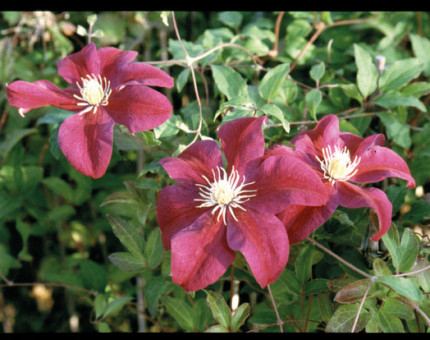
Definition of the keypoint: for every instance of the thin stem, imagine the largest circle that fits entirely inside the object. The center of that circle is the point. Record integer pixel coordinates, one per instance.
(414, 272)
(276, 309)
(337, 257)
(361, 305)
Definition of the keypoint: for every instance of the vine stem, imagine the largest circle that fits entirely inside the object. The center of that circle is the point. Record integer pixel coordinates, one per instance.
(337, 257)
(361, 305)
(278, 318)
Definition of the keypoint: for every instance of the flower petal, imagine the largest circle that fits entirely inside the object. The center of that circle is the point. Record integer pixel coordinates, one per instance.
(26, 96)
(301, 220)
(352, 196)
(284, 180)
(139, 108)
(242, 141)
(199, 159)
(378, 162)
(324, 134)
(142, 73)
(263, 241)
(176, 210)
(200, 253)
(80, 64)
(86, 141)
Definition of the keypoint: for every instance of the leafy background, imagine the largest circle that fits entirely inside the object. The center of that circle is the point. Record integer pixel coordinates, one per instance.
(85, 255)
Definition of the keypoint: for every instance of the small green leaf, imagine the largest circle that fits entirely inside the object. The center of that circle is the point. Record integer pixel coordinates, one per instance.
(317, 71)
(313, 99)
(273, 80)
(400, 73)
(180, 311)
(273, 110)
(232, 19)
(116, 305)
(421, 48)
(239, 316)
(404, 286)
(396, 130)
(182, 79)
(220, 310)
(154, 248)
(367, 73)
(93, 275)
(229, 82)
(408, 250)
(303, 266)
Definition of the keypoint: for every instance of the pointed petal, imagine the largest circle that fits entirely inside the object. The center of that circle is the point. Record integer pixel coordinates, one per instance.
(284, 180)
(139, 108)
(262, 240)
(352, 196)
(200, 253)
(26, 96)
(86, 141)
(196, 161)
(144, 74)
(242, 141)
(324, 134)
(378, 162)
(80, 64)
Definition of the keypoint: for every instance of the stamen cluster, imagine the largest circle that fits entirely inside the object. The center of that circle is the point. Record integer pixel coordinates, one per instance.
(95, 91)
(224, 192)
(337, 165)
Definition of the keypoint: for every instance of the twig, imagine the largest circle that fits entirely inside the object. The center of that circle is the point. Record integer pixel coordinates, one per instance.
(361, 305)
(276, 309)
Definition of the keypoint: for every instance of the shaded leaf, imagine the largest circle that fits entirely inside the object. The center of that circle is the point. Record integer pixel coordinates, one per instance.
(218, 306)
(343, 318)
(180, 311)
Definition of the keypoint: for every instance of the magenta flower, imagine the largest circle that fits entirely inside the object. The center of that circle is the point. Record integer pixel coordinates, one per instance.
(108, 88)
(216, 210)
(340, 158)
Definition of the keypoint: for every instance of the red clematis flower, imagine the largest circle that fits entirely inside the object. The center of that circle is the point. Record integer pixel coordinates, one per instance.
(108, 88)
(340, 158)
(216, 210)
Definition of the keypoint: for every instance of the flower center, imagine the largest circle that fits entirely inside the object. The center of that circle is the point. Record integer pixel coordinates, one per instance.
(95, 91)
(224, 192)
(337, 165)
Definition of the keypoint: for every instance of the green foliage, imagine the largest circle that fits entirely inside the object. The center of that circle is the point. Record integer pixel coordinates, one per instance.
(95, 246)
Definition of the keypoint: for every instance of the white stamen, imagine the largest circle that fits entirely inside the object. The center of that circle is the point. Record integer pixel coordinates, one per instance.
(95, 91)
(224, 193)
(337, 165)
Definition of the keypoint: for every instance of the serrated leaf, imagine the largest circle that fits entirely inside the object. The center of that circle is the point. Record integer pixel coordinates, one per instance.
(367, 74)
(220, 310)
(273, 80)
(180, 311)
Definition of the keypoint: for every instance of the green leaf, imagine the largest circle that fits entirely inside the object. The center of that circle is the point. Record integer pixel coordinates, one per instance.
(155, 287)
(273, 80)
(367, 74)
(313, 99)
(287, 283)
(93, 275)
(404, 286)
(400, 73)
(127, 234)
(229, 82)
(317, 71)
(220, 310)
(154, 248)
(380, 267)
(232, 19)
(180, 311)
(60, 187)
(416, 89)
(408, 250)
(389, 100)
(116, 305)
(396, 130)
(182, 79)
(421, 48)
(128, 262)
(303, 265)
(239, 316)
(316, 286)
(343, 319)
(396, 308)
(273, 110)
(388, 323)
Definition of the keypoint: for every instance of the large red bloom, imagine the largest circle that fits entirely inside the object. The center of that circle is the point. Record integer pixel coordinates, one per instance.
(216, 210)
(338, 158)
(108, 88)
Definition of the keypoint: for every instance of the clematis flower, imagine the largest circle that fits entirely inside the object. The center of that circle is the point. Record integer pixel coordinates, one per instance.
(340, 158)
(108, 88)
(216, 210)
